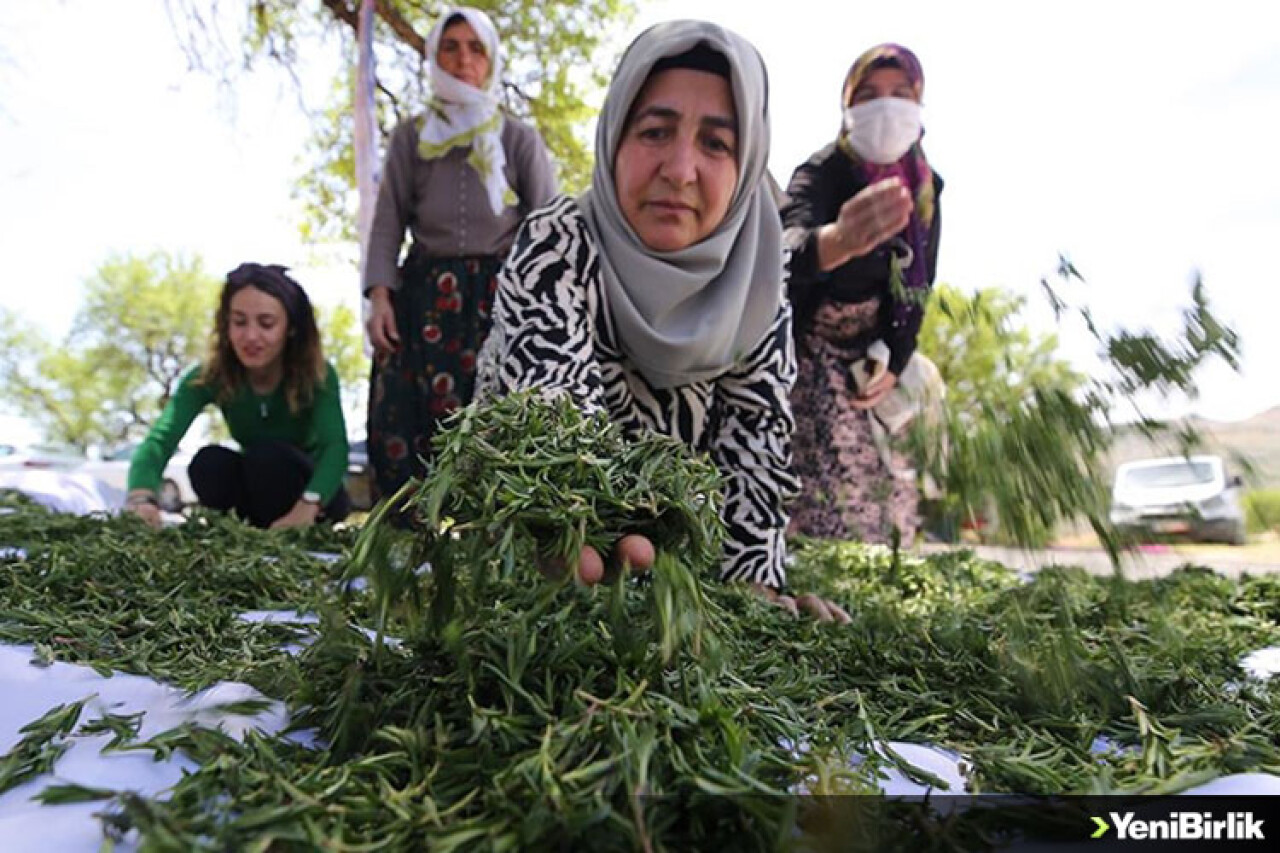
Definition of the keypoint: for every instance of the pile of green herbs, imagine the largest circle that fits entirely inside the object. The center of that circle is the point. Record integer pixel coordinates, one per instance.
(658, 712)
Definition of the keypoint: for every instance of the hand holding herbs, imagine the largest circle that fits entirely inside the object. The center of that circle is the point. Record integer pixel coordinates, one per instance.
(143, 503)
(301, 514)
(632, 553)
(522, 483)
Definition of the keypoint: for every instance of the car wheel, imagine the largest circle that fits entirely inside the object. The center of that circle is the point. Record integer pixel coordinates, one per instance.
(170, 497)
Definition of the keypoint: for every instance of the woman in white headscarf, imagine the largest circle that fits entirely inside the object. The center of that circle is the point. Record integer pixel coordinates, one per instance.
(460, 178)
(657, 296)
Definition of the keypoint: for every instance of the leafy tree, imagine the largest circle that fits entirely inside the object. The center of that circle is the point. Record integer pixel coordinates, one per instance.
(62, 411)
(1026, 436)
(984, 354)
(143, 322)
(557, 53)
(344, 348)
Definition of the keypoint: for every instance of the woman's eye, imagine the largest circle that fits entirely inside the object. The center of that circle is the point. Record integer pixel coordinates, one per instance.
(717, 145)
(653, 133)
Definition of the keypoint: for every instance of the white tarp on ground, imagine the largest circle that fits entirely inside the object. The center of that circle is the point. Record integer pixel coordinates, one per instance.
(61, 491)
(30, 690)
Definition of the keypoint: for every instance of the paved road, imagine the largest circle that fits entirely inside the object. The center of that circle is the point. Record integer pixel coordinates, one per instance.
(1148, 563)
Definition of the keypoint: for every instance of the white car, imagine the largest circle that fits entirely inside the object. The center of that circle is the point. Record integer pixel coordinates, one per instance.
(175, 488)
(40, 457)
(1190, 496)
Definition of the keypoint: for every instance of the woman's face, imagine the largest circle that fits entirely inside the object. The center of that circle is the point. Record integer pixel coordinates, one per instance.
(677, 163)
(257, 328)
(886, 82)
(462, 54)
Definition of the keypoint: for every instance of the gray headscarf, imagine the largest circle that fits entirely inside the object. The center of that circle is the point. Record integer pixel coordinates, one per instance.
(688, 315)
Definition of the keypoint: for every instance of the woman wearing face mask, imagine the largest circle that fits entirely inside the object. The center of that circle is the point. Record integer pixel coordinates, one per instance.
(862, 225)
(267, 375)
(657, 295)
(460, 178)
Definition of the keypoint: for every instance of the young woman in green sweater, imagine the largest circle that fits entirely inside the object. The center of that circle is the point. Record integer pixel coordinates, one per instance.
(267, 374)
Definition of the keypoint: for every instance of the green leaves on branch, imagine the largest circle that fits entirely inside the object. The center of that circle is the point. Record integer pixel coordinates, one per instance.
(558, 53)
(523, 482)
(1026, 437)
(143, 322)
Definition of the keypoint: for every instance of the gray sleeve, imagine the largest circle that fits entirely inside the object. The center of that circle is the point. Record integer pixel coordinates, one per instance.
(393, 210)
(535, 175)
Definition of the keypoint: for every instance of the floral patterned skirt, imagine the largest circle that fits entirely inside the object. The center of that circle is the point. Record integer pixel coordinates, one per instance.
(847, 492)
(443, 315)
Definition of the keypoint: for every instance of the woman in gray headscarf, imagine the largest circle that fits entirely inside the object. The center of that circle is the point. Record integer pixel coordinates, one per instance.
(657, 296)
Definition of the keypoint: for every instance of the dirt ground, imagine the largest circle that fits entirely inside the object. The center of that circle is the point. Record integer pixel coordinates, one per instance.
(1261, 555)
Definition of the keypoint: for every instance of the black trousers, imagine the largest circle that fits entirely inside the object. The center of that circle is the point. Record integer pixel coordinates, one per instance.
(259, 485)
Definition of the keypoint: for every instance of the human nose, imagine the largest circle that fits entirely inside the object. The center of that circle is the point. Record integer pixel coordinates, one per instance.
(680, 166)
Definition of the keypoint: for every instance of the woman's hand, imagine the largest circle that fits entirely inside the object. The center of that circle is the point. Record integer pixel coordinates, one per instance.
(303, 514)
(631, 553)
(871, 217)
(815, 606)
(381, 324)
(142, 503)
(877, 389)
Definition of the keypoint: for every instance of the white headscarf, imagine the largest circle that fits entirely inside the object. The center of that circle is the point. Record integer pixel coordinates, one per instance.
(689, 315)
(459, 114)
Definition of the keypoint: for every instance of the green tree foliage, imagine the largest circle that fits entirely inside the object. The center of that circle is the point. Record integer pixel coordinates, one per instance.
(1262, 510)
(1021, 446)
(144, 321)
(557, 55)
(1026, 436)
(984, 354)
(344, 346)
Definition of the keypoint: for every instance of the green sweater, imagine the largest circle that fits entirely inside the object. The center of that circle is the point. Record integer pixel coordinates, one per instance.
(318, 430)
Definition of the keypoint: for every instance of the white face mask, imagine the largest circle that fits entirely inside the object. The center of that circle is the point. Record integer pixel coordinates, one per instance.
(882, 130)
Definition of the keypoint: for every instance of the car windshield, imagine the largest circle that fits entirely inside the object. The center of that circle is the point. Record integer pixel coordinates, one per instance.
(1169, 475)
(123, 453)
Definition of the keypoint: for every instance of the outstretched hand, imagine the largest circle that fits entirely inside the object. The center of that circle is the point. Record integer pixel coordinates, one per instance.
(874, 215)
(819, 608)
(148, 512)
(635, 553)
(632, 553)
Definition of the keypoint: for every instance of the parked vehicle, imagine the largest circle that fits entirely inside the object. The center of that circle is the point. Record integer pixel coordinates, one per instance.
(49, 457)
(359, 479)
(113, 469)
(1184, 496)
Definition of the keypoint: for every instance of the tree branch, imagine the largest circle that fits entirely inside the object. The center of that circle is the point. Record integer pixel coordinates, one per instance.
(343, 12)
(401, 27)
(388, 13)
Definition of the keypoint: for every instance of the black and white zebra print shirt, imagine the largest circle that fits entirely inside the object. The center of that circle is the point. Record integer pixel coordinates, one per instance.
(552, 330)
